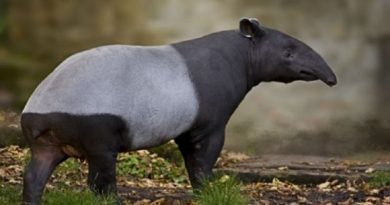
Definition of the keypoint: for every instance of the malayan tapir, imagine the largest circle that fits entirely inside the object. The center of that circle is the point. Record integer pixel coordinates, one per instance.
(120, 98)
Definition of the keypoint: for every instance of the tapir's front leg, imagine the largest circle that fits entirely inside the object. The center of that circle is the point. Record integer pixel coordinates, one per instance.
(43, 161)
(101, 173)
(200, 153)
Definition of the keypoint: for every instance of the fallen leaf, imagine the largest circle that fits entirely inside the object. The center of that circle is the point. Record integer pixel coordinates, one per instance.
(346, 202)
(369, 170)
(323, 185)
(282, 168)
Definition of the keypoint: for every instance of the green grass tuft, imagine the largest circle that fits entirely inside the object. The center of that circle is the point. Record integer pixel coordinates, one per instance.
(69, 165)
(13, 195)
(84, 197)
(223, 190)
(10, 195)
(380, 179)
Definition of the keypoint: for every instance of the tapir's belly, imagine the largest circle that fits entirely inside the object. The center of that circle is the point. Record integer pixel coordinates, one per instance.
(148, 87)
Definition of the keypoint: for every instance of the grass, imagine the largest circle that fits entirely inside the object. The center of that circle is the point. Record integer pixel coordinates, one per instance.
(13, 195)
(70, 164)
(223, 190)
(380, 179)
(83, 197)
(10, 194)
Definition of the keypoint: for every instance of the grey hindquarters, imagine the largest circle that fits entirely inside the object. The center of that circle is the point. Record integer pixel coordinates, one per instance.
(148, 87)
(102, 101)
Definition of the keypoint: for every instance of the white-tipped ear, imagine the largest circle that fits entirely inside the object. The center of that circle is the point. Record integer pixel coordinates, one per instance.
(250, 27)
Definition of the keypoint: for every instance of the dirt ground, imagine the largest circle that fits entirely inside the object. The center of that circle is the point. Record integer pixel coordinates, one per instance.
(317, 180)
(298, 179)
(268, 179)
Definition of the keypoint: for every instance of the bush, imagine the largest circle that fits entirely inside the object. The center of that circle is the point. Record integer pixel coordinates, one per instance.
(170, 152)
(11, 136)
(10, 132)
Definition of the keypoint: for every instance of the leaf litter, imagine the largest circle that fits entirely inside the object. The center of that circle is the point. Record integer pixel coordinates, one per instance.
(156, 186)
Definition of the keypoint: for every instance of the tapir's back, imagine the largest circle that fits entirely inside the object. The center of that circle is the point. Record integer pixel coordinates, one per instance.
(148, 87)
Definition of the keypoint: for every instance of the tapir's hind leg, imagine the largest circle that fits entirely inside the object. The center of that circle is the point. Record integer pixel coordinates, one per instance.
(44, 159)
(200, 152)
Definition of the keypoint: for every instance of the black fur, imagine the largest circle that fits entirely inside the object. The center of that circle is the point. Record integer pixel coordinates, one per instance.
(97, 138)
(86, 133)
(224, 66)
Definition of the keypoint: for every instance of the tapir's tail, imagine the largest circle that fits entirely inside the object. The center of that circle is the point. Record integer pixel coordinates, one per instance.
(33, 125)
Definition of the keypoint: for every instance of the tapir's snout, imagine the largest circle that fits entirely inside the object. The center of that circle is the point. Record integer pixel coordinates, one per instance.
(323, 73)
(331, 81)
(327, 76)
(318, 67)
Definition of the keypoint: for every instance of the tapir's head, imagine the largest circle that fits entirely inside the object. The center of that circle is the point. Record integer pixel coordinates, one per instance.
(276, 56)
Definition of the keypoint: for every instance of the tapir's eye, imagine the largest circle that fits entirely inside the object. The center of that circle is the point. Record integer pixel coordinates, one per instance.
(288, 53)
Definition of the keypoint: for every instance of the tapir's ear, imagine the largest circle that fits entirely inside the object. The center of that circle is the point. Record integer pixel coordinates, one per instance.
(250, 27)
